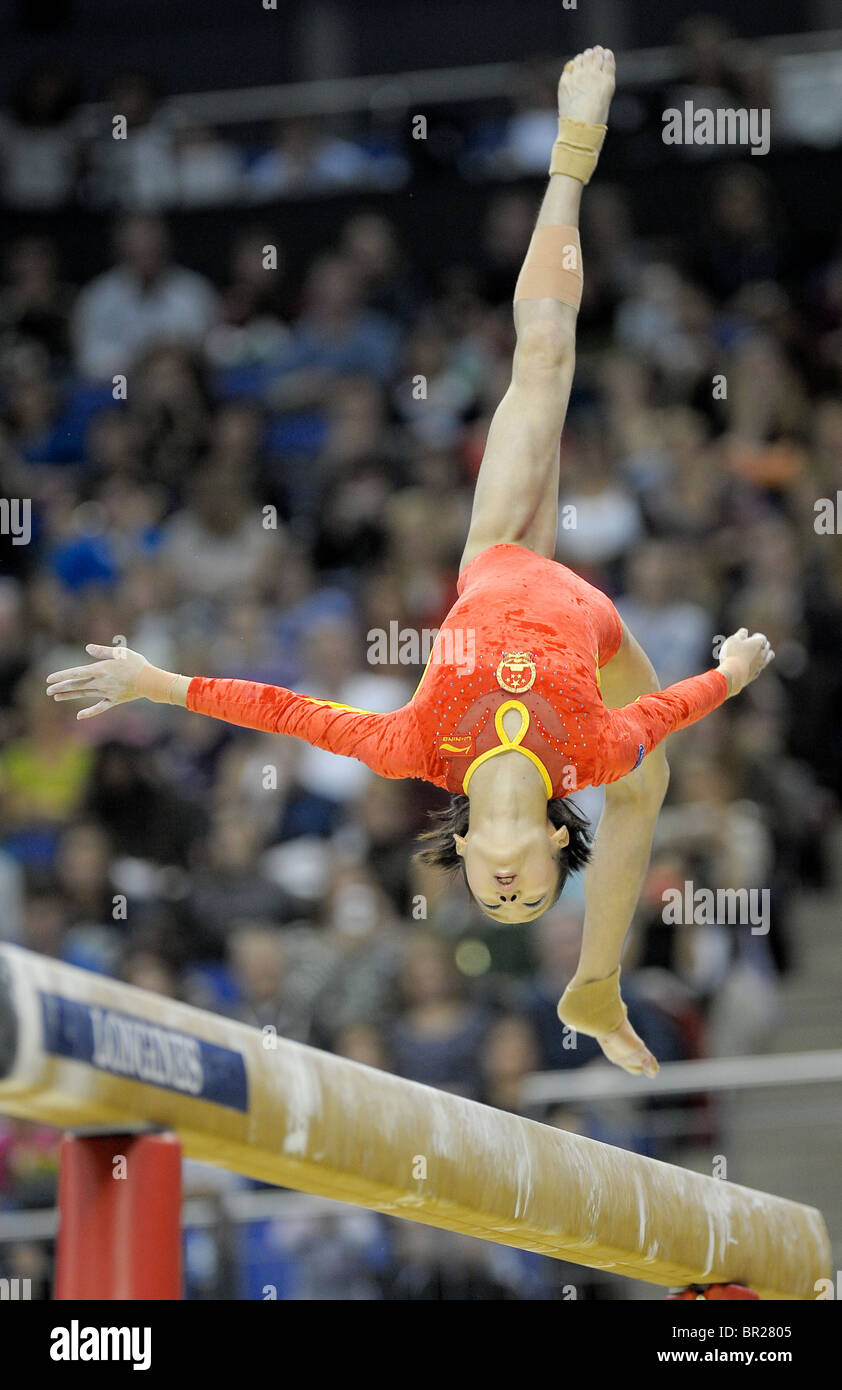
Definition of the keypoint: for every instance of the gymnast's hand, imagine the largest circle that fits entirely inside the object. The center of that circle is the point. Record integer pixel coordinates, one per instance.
(627, 1050)
(742, 658)
(119, 675)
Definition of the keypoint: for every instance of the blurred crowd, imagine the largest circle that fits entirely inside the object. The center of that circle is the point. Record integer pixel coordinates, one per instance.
(243, 479)
(135, 150)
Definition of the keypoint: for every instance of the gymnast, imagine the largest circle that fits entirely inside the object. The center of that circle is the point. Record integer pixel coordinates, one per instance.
(559, 697)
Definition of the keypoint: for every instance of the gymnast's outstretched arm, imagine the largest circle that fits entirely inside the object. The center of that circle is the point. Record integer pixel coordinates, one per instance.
(390, 744)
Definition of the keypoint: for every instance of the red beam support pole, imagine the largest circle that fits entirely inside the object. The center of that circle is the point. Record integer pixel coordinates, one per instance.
(119, 1200)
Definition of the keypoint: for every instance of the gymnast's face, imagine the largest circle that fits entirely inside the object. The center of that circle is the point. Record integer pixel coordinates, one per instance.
(512, 869)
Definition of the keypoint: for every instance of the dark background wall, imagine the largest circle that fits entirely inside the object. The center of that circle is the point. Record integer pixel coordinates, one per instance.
(194, 45)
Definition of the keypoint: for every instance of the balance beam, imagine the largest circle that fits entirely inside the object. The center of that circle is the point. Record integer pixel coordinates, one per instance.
(81, 1051)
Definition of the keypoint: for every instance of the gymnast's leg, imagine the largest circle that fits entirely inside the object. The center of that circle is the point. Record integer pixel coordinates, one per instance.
(516, 497)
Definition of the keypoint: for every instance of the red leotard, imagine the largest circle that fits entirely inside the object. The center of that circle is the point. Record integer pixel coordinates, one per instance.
(525, 633)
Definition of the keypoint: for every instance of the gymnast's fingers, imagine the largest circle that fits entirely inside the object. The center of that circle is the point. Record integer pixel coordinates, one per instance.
(71, 683)
(94, 709)
(105, 653)
(73, 673)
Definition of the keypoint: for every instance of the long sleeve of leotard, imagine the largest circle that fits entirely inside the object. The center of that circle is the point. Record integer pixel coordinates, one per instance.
(629, 733)
(390, 744)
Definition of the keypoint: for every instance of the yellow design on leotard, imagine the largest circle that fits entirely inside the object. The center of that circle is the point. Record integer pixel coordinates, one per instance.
(335, 704)
(510, 745)
(424, 672)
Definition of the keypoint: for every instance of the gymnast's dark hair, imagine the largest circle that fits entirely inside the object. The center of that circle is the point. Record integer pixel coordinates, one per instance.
(440, 847)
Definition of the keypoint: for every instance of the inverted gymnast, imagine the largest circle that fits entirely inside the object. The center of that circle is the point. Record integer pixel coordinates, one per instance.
(560, 696)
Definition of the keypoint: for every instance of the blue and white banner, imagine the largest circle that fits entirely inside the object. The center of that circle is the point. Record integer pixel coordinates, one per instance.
(142, 1051)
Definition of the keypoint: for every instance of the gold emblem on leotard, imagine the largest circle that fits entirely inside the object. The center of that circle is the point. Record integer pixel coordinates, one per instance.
(516, 672)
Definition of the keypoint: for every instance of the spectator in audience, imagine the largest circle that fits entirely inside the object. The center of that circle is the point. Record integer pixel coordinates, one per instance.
(304, 159)
(13, 646)
(438, 1035)
(368, 948)
(278, 976)
(147, 968)
(133, 160)
(334, 336)
(599, 520)
(171, 408)
(229, 885)
(207, 168)
(40, 139)
(43, 771)
(146, 297)
(744, 237)
(217, 544)
(530, 132)
(440, 387)
(83, 872)
(508, 225)
(511, 1052)
(391, 286)
(251, 328)
(35, 306)
(673, 631)
(145, 816)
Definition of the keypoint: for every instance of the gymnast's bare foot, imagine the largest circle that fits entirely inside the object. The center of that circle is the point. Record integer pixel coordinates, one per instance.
(627, 1050)
(586, 86)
